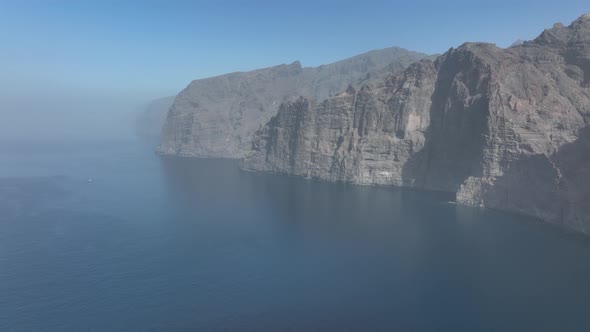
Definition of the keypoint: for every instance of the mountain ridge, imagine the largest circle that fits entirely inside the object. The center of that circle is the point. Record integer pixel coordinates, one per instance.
(217, 116)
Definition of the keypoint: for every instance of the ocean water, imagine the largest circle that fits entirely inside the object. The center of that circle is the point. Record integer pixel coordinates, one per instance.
(107, 236)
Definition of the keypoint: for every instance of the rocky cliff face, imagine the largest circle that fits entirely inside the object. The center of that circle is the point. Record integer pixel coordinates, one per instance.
(502, 128)
(217, 117)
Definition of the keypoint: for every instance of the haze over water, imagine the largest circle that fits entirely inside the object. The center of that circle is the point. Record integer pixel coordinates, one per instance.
(154, 244)
(97, 233)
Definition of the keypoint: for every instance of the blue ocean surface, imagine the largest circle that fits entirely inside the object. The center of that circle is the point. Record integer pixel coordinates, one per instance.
(107, 236)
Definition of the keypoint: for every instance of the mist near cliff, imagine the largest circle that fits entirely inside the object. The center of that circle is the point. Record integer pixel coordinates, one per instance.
(74, 115)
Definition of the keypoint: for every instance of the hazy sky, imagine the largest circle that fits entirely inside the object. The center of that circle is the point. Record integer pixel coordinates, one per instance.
(154, 48)
(78, 69)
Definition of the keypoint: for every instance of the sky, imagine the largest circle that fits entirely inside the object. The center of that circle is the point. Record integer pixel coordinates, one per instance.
(141, 50)
(157, 47)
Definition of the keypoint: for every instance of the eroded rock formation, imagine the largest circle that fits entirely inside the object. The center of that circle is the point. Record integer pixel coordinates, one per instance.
(501, 128)
(217, 117)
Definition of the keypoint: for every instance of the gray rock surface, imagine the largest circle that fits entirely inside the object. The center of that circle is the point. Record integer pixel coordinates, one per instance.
(501, 128)
(217, 117)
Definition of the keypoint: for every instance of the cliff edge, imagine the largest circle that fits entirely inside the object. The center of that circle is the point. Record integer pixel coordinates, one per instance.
(501, 128)
(218, 116)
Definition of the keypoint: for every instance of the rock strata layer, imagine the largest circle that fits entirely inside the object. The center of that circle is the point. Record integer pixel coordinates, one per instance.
(218, 116)
(501, 128)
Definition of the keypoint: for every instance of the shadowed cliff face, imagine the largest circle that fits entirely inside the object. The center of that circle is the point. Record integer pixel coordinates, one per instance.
(502, 128)
(573, 160)
(217, 117)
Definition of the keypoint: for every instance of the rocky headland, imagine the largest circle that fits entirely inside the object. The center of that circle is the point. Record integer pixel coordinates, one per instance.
(218, 116)
(501, 128)
(504, 128)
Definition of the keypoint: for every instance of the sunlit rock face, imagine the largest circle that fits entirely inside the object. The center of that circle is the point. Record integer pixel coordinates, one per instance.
(218, 116)
(501, 128)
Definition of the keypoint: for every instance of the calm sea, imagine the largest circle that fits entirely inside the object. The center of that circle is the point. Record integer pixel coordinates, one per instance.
(107, 236)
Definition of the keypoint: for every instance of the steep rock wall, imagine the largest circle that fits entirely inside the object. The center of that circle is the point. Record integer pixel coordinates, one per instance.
(502, 128)
(217, 117)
